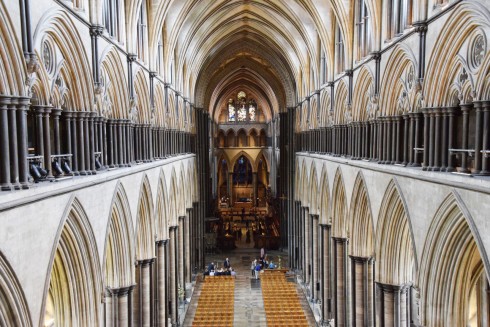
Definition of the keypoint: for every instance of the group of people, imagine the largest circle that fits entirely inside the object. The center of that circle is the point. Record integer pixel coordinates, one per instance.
(226, 270)
(261, 264)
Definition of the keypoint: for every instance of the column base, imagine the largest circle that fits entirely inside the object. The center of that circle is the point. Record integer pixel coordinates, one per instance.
(24, 186)
(83, 173)
(6, 187)
(450, 169)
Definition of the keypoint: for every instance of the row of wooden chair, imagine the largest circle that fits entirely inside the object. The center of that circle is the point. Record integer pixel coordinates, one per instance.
(215, 306)
(281, 302)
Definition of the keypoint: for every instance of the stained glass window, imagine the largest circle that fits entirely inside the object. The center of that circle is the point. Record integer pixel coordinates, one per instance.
(242, 113)
(251, 110)
(231, 111)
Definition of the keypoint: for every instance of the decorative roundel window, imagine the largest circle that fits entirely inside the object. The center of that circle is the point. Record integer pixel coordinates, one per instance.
(48, 57)
(477, 51)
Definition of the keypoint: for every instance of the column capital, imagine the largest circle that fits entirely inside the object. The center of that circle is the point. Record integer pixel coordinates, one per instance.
(38, 109)
(56, 112)
(340, 239)
(145, 262)
(360, 259)
(120, 290)
(392, 288)
(96, 30)
(162, 242)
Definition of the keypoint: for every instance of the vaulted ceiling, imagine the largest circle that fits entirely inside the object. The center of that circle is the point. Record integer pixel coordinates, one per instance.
(270, 47)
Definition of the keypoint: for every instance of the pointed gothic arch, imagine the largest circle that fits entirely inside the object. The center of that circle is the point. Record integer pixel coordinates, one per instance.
(324, 198)
(339, 207)
(13, 69)
(398, 85)
(313, 191)
(119, 244)
(395, 247)
(73, 289)
(14, 311)
(59, 27)
(361, 226)
(161, 209)
(145, 225)
(115, 99)
(340, 110)
(364, 87)
(452, 268)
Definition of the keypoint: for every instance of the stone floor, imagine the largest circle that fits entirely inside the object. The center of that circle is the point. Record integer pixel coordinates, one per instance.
(249, 306)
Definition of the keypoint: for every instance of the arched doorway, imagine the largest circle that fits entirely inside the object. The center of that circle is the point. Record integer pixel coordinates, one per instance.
(242, 190)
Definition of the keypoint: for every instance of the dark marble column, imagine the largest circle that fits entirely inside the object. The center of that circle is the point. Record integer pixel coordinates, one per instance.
(56, 113)
(444, 138)
(22, 142)
(465, 109)
(436, 153)
(427, 141)
(417, 139)
(47, 142)
(395, 143)
(111, 143)
(406, 133)
(14, 158)
(39, 111)
(5, 179)
(119, 149)
(67, 120)
(386, 140)
(411, 139)
(105, 140)
(91, 141)
(380, 137)
(450, 138)
(486, 138)
(478, 136)
(86, 141)
(81, 142)
(74, 143)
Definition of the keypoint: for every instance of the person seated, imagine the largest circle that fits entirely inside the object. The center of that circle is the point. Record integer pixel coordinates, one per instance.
(272, 265)
(211, 267)
(233, 272)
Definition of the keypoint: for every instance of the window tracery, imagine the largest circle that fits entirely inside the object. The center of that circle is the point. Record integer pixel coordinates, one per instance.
(242, 109)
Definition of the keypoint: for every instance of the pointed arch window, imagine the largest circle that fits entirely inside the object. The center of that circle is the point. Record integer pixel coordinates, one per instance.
(110, 16)
(251, 110)
(141, 32)
(231, 111)
(363, 26)
(400, 16)
(242, 107)
(339, 50)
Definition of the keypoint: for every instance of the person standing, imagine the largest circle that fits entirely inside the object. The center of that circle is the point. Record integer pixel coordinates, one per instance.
(226, 263)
